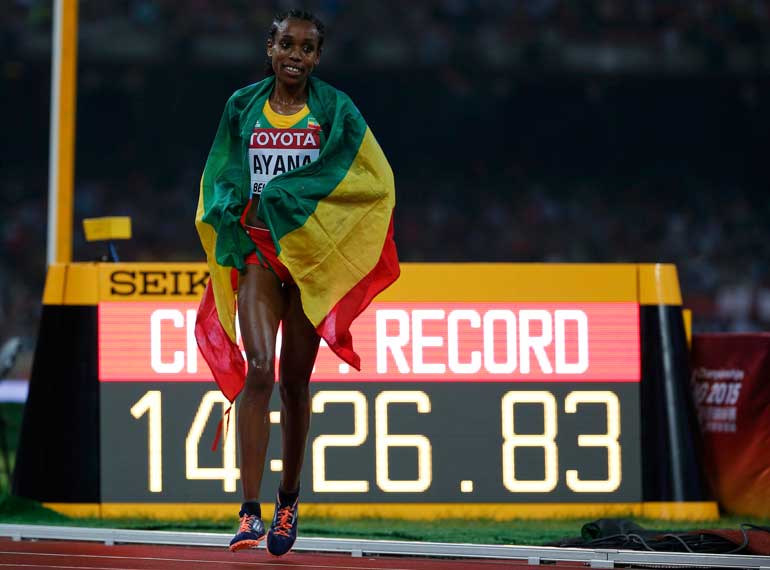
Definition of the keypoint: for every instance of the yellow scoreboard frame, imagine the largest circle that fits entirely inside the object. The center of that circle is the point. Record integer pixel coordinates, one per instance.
(664, 473)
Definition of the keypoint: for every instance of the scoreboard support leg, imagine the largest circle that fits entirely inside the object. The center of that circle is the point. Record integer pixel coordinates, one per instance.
(672, 472)
(58, 453)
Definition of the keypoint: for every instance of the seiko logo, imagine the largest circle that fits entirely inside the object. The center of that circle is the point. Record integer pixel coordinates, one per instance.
(158, 283)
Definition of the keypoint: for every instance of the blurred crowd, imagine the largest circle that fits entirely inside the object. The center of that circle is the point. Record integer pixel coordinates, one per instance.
(492, 163)
(583, 34)
(721, 247)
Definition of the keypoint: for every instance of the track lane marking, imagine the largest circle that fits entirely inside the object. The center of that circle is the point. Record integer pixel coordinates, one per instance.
(229, 562)
(68, 567)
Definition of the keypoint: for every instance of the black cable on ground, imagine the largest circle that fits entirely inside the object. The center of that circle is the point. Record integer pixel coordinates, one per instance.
(666, 541)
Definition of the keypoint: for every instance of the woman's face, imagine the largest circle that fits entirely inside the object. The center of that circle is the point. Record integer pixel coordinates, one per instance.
(294, 51)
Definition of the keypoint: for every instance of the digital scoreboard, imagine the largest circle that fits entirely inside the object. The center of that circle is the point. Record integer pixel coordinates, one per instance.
(479, 385)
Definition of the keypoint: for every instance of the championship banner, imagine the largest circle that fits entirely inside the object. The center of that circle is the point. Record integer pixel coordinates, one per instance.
(730, 375)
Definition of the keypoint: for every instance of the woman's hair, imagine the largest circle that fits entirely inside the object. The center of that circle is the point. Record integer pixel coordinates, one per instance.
(294, 15)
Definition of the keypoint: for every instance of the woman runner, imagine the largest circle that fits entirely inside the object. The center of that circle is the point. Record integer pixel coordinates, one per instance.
(257, 143)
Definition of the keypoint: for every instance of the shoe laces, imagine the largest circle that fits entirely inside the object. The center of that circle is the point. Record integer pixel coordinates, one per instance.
(284, 525)
(247, 523)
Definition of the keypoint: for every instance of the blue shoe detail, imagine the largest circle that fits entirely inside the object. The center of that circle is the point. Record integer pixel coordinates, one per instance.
(250, 533)
(283, 530)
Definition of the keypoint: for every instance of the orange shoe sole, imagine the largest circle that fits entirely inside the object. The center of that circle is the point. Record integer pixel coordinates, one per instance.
(245, 545)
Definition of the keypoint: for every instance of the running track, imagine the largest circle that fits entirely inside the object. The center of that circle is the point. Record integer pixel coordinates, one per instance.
(45, 555)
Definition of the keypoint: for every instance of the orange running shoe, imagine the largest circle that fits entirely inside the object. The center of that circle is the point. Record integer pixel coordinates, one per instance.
(250, 533)
(283, 530)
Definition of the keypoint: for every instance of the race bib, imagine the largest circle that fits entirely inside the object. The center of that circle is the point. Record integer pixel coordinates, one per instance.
(276, 151)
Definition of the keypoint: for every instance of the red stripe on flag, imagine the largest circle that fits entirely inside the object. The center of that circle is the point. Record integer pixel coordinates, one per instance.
(223, 356)
(335, 328)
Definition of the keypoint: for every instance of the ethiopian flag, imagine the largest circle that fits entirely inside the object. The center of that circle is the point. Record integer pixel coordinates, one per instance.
(331, 222)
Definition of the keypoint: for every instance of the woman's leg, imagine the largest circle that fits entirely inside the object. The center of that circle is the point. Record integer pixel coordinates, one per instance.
(298, 352)
(261, 304)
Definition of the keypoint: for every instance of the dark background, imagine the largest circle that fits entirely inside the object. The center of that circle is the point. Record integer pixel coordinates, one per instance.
(541, 130)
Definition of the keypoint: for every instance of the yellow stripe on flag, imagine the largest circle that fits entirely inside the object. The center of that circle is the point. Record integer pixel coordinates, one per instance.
(336, 248)
(224, 296)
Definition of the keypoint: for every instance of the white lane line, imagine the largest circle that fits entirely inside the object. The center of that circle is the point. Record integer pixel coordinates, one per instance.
(281, 562)
(67, 567)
